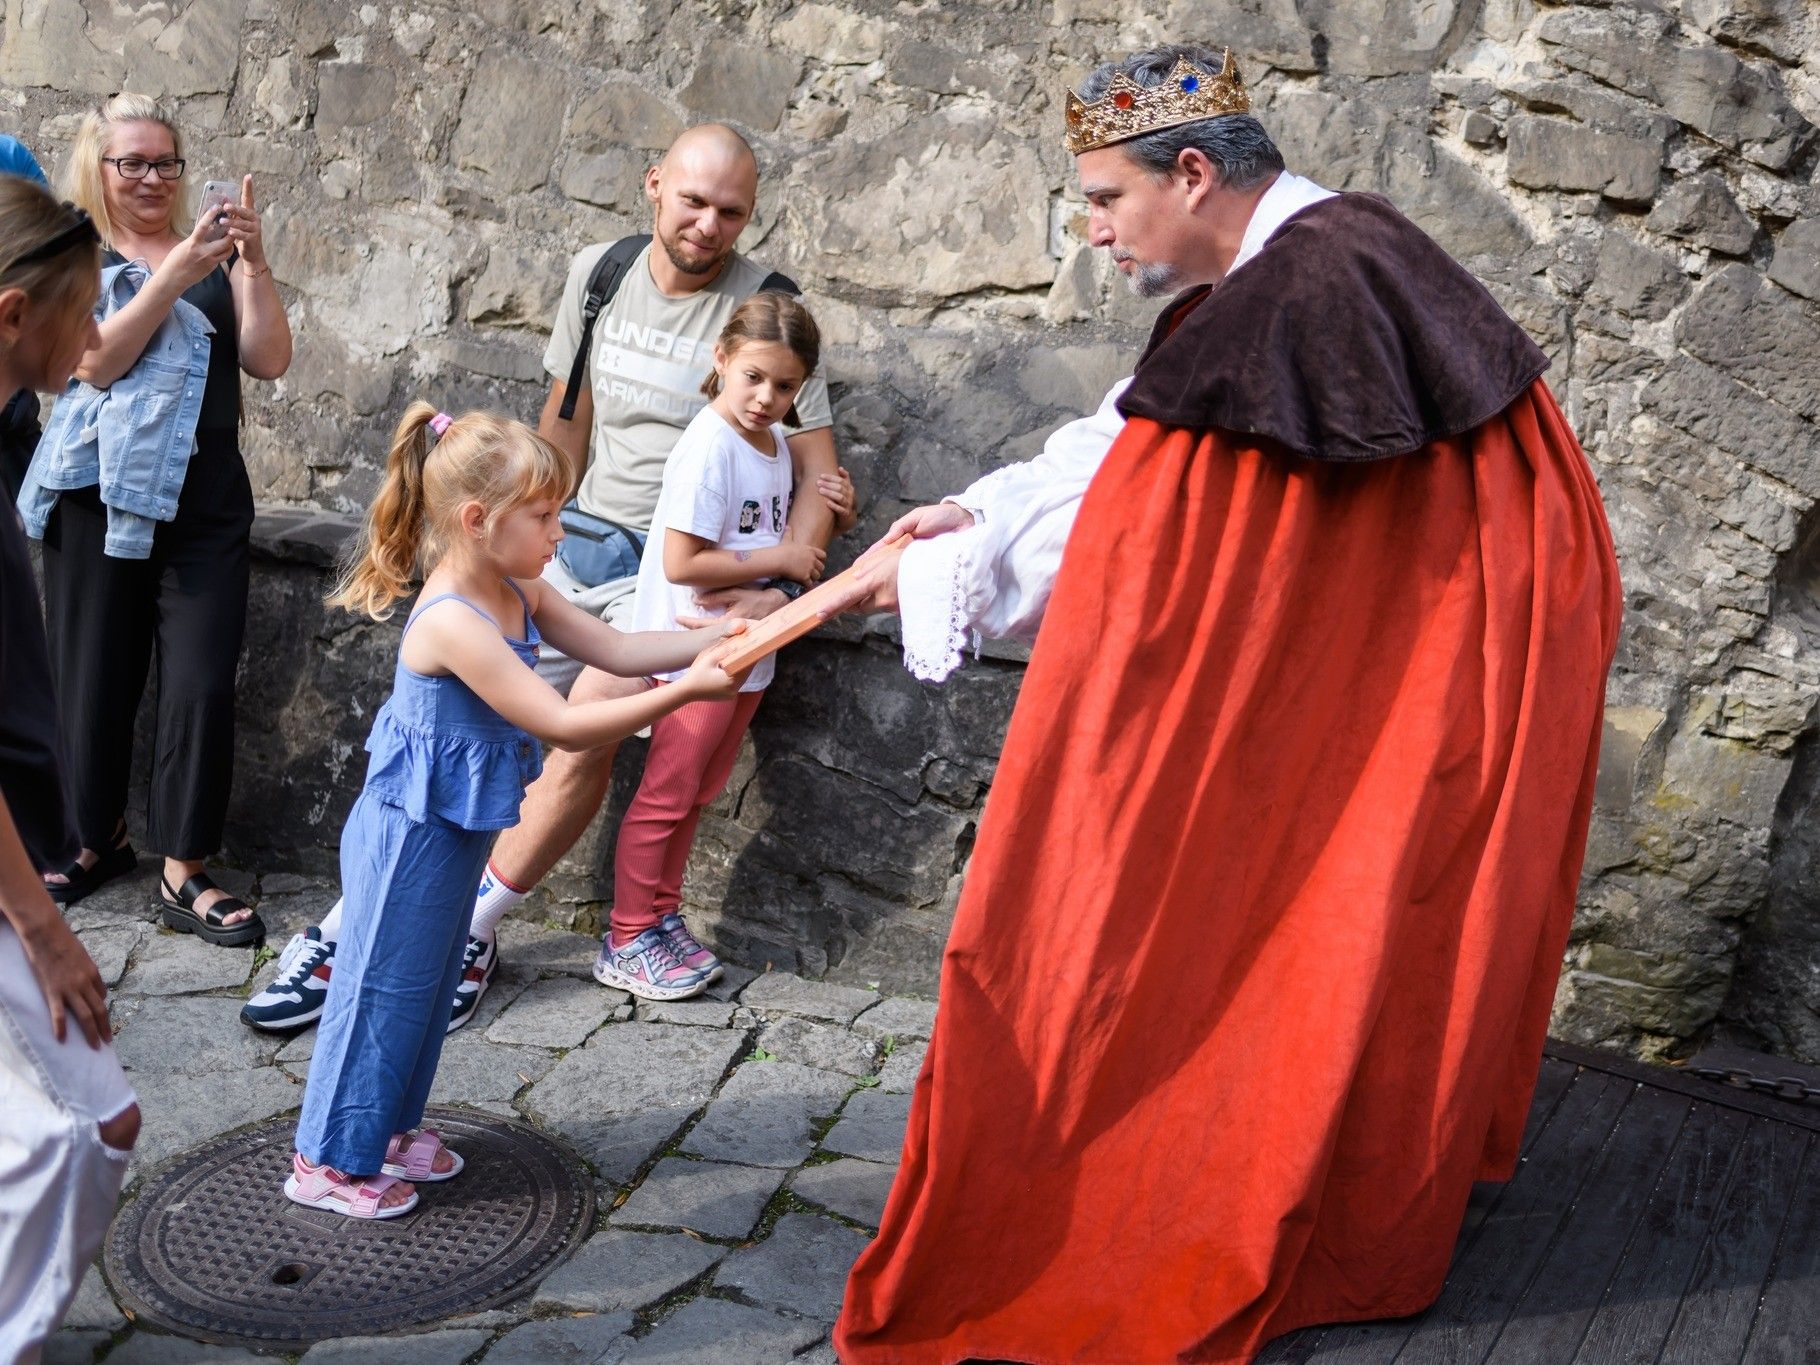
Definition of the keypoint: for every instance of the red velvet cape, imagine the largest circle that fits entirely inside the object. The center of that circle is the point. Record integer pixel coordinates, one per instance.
(1250, 977)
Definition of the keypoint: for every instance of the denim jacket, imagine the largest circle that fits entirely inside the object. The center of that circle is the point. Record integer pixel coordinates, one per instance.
(133, 438)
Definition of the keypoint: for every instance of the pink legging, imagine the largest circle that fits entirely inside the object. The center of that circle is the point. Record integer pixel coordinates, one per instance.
(691, 757)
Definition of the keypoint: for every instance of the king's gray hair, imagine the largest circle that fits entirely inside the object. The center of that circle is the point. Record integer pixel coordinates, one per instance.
(1237, 145)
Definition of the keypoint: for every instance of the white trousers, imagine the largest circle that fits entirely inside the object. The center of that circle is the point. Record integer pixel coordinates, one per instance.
(58, 1180)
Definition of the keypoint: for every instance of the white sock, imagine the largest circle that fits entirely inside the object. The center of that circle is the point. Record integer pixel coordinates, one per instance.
(492, 899)
(330, 927)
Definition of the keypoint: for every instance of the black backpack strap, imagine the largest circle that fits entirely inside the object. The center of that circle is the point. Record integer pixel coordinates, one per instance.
(603, 284)
(779, 283)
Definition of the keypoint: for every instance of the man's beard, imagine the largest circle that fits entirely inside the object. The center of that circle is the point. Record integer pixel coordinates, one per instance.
(1154, 279)
(690, 265)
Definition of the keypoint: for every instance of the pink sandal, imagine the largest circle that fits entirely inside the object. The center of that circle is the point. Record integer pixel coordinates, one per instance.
(324, 1187)
(412, 1156)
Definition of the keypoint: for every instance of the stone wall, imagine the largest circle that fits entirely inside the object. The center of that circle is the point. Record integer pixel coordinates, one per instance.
(1635, 181)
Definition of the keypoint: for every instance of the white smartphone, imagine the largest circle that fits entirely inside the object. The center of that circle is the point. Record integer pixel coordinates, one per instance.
(217, 195)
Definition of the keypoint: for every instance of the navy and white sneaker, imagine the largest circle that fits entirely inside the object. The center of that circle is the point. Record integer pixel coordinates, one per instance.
(478, 964)
(295, 996)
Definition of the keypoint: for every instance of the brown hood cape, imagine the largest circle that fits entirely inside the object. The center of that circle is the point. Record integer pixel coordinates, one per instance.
(1351, 336)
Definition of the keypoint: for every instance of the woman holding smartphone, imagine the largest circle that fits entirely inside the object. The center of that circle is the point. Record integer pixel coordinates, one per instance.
(146, 563)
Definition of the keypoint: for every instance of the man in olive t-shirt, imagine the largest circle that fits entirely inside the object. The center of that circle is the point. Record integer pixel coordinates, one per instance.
(653, 345)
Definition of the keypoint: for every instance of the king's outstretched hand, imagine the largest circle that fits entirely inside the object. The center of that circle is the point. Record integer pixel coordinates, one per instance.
(874, 584)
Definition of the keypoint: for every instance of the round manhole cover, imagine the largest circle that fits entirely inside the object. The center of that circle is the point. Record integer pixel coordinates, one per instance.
(213, 1250)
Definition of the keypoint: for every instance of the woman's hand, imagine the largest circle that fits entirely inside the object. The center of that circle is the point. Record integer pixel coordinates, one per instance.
(800, 562)
(244, 227)
(193, 257)
(67, 975)
(837, 491)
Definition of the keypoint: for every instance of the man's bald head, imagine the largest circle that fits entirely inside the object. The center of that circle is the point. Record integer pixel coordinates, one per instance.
(713, 144)
(704, 190)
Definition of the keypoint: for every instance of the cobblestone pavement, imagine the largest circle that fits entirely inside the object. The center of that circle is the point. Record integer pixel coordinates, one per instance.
(743, 1142)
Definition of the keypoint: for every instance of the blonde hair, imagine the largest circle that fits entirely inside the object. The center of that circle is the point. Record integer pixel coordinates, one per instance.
(81, 182)
(480, 457)
(63, 286)
(770, 315)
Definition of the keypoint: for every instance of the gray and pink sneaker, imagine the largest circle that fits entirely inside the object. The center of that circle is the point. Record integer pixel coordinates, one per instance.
(688, 949)
(648, 968)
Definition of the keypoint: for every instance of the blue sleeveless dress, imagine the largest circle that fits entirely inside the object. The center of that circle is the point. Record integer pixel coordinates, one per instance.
(446, 773)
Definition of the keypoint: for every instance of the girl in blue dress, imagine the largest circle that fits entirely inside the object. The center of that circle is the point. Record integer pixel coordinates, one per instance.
(475, 499)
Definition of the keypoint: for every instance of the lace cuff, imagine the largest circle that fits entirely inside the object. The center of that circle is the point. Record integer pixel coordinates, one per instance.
(931, 596)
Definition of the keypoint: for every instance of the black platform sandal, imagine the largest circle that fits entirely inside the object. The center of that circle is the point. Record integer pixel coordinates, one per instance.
(116, 862)
(210, 925)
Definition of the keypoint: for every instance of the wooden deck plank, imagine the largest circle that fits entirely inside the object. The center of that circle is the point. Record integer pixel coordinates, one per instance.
(1487, 1279)
(1787, 1329)
(1644, 1294)
(1721, 1302)
(1368, 1342)
(1551, 1316)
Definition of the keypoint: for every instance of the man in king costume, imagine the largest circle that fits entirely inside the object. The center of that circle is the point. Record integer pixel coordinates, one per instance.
(1251, 974)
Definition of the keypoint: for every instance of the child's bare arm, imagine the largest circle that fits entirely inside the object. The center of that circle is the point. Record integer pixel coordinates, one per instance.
(630, 654)
(467, 646)
(692, 562)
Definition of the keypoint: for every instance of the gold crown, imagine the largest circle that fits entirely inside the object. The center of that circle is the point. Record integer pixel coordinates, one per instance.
(1129, 110)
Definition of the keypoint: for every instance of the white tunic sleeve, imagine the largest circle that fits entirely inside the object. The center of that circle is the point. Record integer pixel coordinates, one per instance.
(995, 577)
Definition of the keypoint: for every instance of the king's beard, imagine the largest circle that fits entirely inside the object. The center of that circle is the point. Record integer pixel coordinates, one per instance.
(1153, 279)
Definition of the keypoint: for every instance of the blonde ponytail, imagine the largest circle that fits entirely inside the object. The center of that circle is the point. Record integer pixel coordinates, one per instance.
(481, 457)
(385, 562)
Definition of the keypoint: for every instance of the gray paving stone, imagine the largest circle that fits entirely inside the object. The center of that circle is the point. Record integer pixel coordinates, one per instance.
(94, 1306)
(427, 1348)
(617, 1270)
(111, 946)
(128, 898)
(563, 1341)
(782, 993)
(191, 1035)
(820, 1355)
(852, 1188)
(828, 1047)
(292, 914)
(292, 884)
(764, 1115)
(732, 981)
(73, 1346)
(708, 1329)
(169, 963)
(625, 1093)
(899, 1017)
(871, 1126)
(898, 1074)
(180, 1113)
(144, 1348)
(558, 1013)
(298, 1047)
(473, 1070)
(802, 1266)
(547, 951)
(708, 1197)
(702, 1013)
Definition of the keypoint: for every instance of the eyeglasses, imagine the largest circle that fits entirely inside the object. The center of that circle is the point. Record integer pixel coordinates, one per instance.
(137, 167)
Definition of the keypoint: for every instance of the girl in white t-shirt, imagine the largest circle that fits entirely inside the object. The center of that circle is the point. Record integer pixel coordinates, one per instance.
(719, 524)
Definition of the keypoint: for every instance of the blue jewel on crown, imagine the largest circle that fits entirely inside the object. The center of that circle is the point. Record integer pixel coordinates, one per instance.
(1191, 83)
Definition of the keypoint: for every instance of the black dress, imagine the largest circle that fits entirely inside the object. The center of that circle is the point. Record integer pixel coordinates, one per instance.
(179, 615)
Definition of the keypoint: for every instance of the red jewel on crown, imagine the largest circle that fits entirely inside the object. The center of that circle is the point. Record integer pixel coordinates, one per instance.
(1121, 99)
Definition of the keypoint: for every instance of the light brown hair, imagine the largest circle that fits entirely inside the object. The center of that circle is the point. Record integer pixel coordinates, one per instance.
(481, 457)
(81, 181)
(770, 316)
(62, 287)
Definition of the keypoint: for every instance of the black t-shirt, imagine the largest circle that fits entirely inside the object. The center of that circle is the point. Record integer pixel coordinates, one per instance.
(31, 768)
(221, 394)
